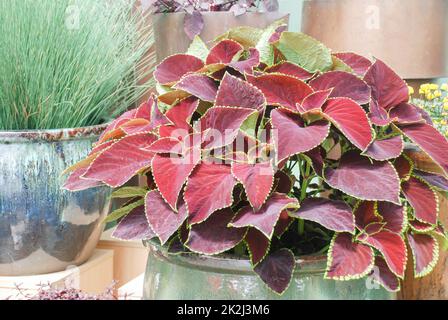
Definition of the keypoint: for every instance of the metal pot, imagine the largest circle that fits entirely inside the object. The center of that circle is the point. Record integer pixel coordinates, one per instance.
(410, 35)
(170, 37)
(197, 277)
(43, 228)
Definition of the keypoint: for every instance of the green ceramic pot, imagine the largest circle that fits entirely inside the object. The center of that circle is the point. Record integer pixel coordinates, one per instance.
(197, 277)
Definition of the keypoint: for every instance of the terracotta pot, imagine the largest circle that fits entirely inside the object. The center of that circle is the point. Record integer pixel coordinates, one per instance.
(409, 35)
(434, 285)
(170, 37)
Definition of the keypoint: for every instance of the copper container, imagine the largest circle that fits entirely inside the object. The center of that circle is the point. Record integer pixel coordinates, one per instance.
(434, 285)
(409, 35)
(170, 37)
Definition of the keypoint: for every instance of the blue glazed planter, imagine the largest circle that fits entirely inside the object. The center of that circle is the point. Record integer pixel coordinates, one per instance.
(43, 228)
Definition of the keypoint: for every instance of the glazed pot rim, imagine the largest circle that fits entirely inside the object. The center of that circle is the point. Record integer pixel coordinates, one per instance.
(228, 263)
(49, 135)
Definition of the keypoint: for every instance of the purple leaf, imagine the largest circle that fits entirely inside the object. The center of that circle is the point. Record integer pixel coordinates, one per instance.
(276, 270)
(333, 215)
(193, 24)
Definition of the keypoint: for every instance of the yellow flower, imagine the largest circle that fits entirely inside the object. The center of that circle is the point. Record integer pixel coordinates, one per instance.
(444, 87)
(424, 86)
(445, 106)
(443, 122)
(411, 90)
(434, 86)
(429, 96)
(437, 93)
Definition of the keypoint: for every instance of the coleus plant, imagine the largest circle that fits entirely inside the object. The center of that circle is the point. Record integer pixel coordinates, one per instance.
(275, 147)
(194, 22)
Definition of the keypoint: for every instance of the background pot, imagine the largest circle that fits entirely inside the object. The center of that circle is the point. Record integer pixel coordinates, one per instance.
(434, 285)
(195, 277)
(409, 35)
(43, 228)
(170, 37)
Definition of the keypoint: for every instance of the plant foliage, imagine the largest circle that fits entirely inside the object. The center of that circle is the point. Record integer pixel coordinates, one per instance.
(194, 22)
(69, 63)
(278, 159)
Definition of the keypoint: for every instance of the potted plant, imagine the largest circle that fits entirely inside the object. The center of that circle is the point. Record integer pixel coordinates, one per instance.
(66, 68)
(243, 187)
(176, 23)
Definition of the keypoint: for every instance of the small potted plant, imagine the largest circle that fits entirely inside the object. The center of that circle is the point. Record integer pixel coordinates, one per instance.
(243, 188)
(66, 69)
(176, 23)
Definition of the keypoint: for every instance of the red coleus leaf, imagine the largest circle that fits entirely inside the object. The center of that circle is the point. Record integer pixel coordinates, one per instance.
(358, 63)
(166, 145)
(348, 259)
(351, 119)
(365, 214)
(386, 149)
(276, 270)
(392, 247)
(431, 141)
(134, 226)
(257, 244)
(314, 101)
(333, 215)
(406, 113)
(404, 167)
(121, 161)
(75, 182)
(292, 137)
(136, 126)
(382, 274)
(394, 216)
(246, 66)
(290, 69)
(421, 226)
(170, 173)
(388, 89)
(224, 124)
(435, 180)
(281, 90)
(425, 250)
(283, 182)
(378, 115)
(208, 190)
(317, 160)
(125, 117)
(357, 176)
(267, 217)
(214, 236)
(173, 68)
(162, 219)
(344, 85)
(257, 180)
(180, 116)
(423, 199)
(283, 223)
(199, 85)
(225, 52)
(235, 92)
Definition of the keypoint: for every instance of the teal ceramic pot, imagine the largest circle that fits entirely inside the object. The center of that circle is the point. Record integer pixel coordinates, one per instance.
(195, 277)
(43, 228)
